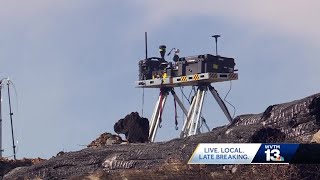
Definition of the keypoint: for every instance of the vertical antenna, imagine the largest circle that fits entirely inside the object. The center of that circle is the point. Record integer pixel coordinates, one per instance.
(13, 145)
(216, 39)
(146, 43)
(0, 120)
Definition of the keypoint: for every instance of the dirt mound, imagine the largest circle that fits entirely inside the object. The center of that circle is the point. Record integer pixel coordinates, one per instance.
(134, 127)
(106, 139)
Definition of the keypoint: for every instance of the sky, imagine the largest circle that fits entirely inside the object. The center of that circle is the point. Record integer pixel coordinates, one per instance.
(74, 63)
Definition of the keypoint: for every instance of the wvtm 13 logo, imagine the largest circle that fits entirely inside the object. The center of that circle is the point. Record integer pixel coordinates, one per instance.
(273, 153)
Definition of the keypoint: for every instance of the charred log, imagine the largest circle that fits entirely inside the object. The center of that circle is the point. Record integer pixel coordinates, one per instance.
(134, 127)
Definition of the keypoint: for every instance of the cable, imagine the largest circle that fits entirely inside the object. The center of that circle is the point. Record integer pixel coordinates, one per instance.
(182, 99)
(160, 110)
(190, 92)
(175, 113)
(194, 89)
(234, 108)
(185, 95)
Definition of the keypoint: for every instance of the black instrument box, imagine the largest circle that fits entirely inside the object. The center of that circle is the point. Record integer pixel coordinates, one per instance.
(204, 64)
(146, 67)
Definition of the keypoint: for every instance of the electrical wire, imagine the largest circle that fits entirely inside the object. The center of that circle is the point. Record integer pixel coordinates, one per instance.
(182, 99)
(234, 108)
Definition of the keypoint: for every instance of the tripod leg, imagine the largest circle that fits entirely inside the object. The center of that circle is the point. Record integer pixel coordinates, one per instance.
(198, 115)
(197, 111)
(155, 120)
(187, 122)
(220, 102)
(153, 117)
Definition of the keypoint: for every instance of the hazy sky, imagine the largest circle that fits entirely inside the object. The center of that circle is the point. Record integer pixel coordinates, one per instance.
(74, 62)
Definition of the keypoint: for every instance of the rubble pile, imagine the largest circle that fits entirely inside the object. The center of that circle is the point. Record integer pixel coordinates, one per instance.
(293, 122)
(105, 139)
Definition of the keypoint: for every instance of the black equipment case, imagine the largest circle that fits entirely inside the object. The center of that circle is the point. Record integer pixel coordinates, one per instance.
(204, 64)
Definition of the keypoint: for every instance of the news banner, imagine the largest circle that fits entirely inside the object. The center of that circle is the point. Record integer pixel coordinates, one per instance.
(255, 153)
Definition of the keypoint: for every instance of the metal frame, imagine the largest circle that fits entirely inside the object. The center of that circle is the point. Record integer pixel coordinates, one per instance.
(190, 80)
(192, 121)
(191, 125)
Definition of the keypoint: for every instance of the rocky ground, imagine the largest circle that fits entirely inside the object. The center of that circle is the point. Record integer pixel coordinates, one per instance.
(296, 121)
(8, 164)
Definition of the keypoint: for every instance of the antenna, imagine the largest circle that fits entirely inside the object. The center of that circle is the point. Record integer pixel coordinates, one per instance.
(171, 51)
(13, 145)
(216, 39)
(146, 43)
(146, 46)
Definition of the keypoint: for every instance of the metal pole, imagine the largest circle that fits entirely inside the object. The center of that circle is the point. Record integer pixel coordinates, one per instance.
(216, 39)
(0, 120)
(13, 145)
(185, 130)
(146, 43)
(199, 110)
(216, 47)
(194, 112)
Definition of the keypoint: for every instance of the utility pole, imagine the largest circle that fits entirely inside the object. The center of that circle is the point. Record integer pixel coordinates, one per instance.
(11, 114)
(0, 120)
